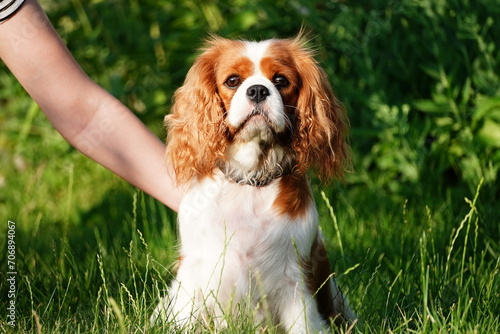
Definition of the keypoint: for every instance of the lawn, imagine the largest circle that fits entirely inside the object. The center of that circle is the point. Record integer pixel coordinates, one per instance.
(413, 232)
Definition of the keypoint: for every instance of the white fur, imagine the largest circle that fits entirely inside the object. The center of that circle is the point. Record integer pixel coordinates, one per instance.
(234, 246)
(248, 155)
(255, 51)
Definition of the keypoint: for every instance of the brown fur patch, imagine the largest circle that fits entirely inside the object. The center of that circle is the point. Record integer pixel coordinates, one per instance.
(317, 271)
(294, 196)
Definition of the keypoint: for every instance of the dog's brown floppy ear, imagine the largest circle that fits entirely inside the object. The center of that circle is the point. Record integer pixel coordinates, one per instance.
(320, 140)
(195, 126)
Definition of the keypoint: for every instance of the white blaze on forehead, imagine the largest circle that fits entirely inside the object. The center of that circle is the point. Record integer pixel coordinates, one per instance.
(255, 52)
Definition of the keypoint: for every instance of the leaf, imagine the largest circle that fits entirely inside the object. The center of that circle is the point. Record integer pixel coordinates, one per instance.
(431, 71)
(489, 134)
(430, 106)
(487, 107)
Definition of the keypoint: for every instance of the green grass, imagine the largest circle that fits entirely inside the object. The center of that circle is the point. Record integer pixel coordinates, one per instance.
(402, 274)
(414, 232)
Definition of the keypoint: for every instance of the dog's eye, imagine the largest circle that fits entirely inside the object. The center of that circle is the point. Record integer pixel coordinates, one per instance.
(280, 81)
(233, 81)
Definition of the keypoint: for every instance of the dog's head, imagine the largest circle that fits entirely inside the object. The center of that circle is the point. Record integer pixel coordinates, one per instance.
(257, 111)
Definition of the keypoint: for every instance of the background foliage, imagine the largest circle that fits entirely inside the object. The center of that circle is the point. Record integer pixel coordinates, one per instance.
(420, 81)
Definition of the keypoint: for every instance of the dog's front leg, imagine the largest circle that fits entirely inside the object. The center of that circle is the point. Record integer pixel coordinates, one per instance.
(298, 311)
(179, 308)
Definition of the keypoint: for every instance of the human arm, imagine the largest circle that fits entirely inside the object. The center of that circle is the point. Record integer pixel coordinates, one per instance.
(87, 116)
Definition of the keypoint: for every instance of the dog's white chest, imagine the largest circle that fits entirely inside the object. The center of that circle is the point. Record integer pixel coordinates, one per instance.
(220, 218)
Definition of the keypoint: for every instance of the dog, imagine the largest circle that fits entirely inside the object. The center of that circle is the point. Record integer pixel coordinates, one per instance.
(249, 122)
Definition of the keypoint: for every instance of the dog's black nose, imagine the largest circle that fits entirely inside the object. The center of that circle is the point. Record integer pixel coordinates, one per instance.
(257, 93)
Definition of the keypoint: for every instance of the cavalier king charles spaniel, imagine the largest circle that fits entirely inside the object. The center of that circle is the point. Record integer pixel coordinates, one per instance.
(248, 123)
